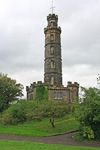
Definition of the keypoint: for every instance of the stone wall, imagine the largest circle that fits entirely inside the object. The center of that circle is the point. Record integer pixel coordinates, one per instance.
(31, 90)
(68, 94)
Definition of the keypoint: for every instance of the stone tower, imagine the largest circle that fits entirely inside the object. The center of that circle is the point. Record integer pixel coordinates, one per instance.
(53, 67)
(53, 61)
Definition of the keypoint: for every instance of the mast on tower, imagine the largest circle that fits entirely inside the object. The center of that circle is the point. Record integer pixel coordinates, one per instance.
(52, 7)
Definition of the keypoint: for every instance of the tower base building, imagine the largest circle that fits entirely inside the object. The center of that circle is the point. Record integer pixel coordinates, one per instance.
(53, 67)
(68, 93)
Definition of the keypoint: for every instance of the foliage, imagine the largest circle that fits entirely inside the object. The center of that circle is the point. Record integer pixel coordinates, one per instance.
(88, 132)
(33, 110)
(41, 93)
(89, 113)
(15, 114)
(9, 91)
(2, 102)
(15, 145)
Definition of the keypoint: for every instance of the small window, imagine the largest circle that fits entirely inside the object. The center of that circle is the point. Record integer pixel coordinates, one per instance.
(52, 80)
(58, 95)
(52, 50)
(52, 64)
(52, 24)
(55, 95)
(52, 37)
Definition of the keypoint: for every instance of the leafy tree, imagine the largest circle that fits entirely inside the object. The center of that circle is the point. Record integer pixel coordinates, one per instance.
(15, 114)
(89, 113)
(9, 91)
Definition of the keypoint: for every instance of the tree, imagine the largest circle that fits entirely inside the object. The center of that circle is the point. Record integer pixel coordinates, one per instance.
(9, 91)
(89, 113)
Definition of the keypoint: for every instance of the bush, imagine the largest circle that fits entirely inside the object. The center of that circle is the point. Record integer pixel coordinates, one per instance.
(88, 132)
(7, 118)
(89, 113)
(33, 110)
(15, 114)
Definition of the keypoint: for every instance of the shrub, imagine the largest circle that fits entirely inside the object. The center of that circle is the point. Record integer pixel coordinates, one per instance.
(88, 132)
(88, 113)
(15, 114)
(7, 118)
(33, 110)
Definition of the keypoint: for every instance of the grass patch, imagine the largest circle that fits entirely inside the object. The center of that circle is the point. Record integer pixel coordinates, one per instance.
(15, 145)
(41, 128)
(21, 131)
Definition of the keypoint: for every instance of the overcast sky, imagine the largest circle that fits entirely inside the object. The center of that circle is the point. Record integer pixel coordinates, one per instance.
(22, 24)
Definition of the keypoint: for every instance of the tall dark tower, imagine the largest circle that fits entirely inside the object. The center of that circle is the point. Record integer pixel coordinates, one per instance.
(53, 61)
(53, 66)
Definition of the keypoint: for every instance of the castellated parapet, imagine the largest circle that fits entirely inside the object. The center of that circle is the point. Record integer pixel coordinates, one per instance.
(32, 89)
(68, 93)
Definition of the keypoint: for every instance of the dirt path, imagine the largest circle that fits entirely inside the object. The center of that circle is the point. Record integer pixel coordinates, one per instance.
(65, 139)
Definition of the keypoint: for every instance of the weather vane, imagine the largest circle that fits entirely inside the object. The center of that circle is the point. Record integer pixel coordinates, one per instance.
(52, 7)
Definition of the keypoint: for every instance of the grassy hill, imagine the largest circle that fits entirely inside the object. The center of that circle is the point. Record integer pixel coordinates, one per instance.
(41, 128)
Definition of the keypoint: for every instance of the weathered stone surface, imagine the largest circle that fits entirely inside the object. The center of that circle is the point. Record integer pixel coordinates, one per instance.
(53, 61)
(53, 67)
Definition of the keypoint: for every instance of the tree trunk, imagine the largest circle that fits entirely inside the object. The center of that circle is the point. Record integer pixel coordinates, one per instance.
(52, 122)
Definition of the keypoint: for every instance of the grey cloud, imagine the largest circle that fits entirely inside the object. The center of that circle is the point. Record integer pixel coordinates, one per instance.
(22, 36)
(81, 38)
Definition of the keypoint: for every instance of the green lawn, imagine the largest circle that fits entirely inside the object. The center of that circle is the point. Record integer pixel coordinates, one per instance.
(41, 128)
(15, 145)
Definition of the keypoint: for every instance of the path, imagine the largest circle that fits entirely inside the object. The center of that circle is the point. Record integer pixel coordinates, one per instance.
(65, 139)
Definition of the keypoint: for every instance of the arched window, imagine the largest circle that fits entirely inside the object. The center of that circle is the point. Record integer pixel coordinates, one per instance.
(52, 50)
(52, 80)
(52, 37)
(52, 24)
(52, 64)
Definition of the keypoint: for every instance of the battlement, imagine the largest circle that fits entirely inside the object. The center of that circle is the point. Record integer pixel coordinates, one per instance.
(52, 16)
(70, 84)
(33, 85)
